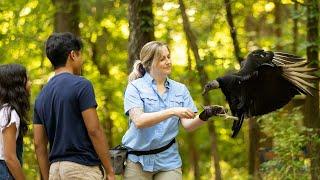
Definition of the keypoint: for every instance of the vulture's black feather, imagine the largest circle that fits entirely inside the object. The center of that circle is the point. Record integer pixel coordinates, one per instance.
(265, 82)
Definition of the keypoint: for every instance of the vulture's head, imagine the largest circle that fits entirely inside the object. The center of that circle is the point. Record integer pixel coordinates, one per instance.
(226, 83)
(210, 85)
(260, 56)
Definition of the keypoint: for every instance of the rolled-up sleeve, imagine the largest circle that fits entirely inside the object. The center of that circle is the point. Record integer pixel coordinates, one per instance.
(188, 101)
(132, 98)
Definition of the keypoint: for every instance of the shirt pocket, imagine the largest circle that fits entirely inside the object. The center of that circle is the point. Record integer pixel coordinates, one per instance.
(150, 103)
(176, 101)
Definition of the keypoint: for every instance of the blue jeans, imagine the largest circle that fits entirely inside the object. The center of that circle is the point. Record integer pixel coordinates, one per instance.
(4, 171)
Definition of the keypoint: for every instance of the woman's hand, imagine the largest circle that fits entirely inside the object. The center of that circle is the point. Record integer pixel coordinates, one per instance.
(183, 113)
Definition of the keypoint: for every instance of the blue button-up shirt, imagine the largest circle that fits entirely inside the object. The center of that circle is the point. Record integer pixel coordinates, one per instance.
(142, 93)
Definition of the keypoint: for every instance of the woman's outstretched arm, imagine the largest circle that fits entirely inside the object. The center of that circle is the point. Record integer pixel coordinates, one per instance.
(143, 120)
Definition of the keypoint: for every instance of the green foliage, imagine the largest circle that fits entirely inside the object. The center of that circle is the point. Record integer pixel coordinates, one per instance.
(289, 145)
(108, 30)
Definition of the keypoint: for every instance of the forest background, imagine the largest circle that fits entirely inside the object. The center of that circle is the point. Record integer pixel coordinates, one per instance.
(207, 38)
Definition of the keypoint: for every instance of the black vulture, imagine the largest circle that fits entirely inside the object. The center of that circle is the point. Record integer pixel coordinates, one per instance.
(265, 82)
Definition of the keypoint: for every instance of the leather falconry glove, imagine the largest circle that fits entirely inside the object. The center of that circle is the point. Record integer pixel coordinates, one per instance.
(213, 110)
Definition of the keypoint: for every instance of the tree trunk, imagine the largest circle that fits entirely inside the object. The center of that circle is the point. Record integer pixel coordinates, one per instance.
(203, 80)
(295, 102)
(295, 30)
(141, 26)
(191, 142)
(254, 138)
(108, 125)
(254, 129)
(103, 69)
(98, 49)
(194, 158)
(233, 31)
(67, 16)
(311, 111)
(277, 23)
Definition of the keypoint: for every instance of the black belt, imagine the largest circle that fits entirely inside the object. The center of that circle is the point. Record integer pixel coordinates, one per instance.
(101, 169)
(153, 151)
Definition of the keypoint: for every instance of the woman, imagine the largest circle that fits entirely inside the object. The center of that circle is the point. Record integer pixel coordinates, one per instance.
(156, 105)
(14, 107)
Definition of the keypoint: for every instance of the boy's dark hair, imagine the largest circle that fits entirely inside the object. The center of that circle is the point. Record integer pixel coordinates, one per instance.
(58, 47)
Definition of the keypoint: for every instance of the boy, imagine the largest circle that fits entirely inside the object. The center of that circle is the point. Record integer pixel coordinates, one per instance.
(65, 116)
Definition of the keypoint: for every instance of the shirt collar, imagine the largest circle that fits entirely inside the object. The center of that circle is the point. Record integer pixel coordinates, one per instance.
(149, 79)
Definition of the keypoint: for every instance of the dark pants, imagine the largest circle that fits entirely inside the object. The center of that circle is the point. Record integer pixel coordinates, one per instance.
(4, 171)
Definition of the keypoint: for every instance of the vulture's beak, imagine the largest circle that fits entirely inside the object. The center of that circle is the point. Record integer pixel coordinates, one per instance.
(209, 86)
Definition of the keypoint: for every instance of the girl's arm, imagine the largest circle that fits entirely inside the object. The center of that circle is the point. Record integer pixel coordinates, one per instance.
(144, 120)
(9, 139)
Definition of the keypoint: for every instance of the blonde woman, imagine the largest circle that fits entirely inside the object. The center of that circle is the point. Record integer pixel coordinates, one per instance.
(156, 106)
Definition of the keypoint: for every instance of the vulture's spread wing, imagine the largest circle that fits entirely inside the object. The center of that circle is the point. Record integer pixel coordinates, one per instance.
(268, 91)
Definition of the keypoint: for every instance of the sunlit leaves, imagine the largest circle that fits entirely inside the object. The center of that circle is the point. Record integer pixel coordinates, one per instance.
(108, 22)
(7, 15)
(269, 6)
(170, 5)
(25, 11)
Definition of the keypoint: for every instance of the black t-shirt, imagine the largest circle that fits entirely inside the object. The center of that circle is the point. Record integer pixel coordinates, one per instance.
(58, 108)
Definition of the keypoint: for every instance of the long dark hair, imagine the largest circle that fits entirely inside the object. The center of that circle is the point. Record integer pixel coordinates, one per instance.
(13, 93)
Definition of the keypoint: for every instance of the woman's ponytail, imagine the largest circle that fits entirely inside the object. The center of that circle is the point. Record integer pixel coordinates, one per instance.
(137, 72)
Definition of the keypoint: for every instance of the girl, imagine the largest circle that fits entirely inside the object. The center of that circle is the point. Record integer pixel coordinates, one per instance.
(14, 107)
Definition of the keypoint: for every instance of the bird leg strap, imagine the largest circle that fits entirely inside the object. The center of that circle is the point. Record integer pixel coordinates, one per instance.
(227, 116)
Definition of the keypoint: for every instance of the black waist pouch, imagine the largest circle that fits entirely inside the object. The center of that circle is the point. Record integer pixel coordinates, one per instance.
(120, 153)
(118, 157)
